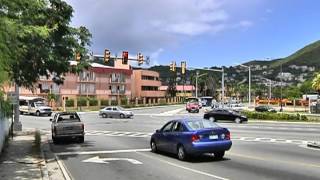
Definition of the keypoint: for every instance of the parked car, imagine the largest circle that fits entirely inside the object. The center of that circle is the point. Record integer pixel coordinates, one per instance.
(224, 114)
(67, 125)
(193, 107)
(265, 109)
(194, 100)
(34, 105)
(187, 137)
(115, 111)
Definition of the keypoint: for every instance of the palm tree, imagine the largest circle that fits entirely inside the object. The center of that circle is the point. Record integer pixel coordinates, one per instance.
(316, 83)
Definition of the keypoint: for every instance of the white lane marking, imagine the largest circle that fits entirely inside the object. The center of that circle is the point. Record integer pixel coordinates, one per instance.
(101, 152)
(99, 160)
(185, 168)
(64, 170)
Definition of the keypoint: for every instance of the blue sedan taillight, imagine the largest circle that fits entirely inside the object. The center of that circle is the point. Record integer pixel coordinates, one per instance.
(195, 137)
(228, 136)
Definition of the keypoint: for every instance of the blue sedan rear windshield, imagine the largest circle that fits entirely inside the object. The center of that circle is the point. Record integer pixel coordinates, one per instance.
(200, 124)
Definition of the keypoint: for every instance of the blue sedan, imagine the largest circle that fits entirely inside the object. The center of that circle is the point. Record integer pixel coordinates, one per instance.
(186, 137)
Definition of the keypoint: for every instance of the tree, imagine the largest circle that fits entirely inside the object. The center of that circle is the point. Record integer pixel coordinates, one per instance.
(316, 83)
(37, 40)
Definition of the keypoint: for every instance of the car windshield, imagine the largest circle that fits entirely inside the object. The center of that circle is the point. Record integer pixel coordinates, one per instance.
(39, 103)
(120, 108)
(69, 118)
(200, 124)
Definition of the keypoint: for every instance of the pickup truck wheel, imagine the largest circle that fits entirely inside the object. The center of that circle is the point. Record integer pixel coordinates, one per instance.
(38, 113)
(81, 139)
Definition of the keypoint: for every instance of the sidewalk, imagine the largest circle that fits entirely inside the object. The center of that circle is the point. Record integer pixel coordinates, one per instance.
(22, 159)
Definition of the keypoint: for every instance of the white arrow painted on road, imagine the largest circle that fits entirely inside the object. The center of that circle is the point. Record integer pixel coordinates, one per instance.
(96, 159)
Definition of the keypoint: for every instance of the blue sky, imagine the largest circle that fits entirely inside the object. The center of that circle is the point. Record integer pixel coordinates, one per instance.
(202, 32)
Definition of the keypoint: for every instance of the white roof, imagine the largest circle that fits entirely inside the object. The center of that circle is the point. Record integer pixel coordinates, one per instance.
(73, 63)
(29, 98)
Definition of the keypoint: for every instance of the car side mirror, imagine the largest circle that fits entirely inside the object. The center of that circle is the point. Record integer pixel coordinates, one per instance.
(50, 119)
(157, 131)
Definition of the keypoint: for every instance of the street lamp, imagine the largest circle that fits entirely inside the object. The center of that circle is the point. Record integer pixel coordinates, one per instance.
(249, 68)
(197, 76)
(222, 82)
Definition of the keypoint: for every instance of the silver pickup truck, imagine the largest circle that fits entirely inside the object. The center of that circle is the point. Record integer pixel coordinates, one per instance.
(67, 125)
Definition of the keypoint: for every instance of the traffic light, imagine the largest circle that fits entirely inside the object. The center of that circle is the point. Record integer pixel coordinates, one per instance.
(106, 56)
(140, 59)
(125, 57)
(173, 66)
(78, 56)
(183, 67)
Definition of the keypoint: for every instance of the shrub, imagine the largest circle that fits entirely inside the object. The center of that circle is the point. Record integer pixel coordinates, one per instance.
(70, 103)
(104, 102)
(82, 101)
(124, 101)
(114, 103)
(93, 102)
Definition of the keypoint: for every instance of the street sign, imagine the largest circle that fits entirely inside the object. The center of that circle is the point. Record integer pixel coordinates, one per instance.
(12, 96)
(97, 159)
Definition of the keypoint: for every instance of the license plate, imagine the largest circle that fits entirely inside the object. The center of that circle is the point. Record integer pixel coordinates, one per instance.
(213, 136)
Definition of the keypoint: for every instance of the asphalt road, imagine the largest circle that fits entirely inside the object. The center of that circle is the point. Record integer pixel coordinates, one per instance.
(119, 149)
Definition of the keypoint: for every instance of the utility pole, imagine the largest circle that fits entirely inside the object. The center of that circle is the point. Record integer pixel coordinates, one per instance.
(197, 76)
(281, 75)
(222, 79)
(17, 126)
(249, 68)
(197, 84)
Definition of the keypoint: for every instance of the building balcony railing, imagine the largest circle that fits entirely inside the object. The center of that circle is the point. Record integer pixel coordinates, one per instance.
(116, 92)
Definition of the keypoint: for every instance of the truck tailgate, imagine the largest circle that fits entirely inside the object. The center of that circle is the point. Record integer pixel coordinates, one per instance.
(64, 128)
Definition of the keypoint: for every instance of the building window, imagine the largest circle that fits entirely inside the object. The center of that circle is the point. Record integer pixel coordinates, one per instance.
(87, 76)
(149, 88)
(152, 78)
(87, 88)
(118, 78)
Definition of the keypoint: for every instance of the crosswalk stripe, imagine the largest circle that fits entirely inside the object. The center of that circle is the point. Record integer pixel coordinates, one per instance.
(146, 134)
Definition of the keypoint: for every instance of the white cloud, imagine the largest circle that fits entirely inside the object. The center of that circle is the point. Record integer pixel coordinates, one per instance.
(245, 23)
(148, 26)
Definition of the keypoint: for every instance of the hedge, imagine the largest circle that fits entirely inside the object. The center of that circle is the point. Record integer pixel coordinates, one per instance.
(104, 102)
(93, 102)
(82, 102)
(275, 116)
(70, 103)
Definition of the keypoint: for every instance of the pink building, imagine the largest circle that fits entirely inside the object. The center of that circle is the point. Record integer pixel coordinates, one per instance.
(99, 81)
(182, 90)
(146, 84)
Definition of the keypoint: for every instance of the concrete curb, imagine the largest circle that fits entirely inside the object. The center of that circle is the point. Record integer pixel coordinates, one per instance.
(314, 145)
(53, 169)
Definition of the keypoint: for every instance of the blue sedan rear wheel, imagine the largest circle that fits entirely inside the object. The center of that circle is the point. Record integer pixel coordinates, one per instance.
(181, 153)
(219, 155)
